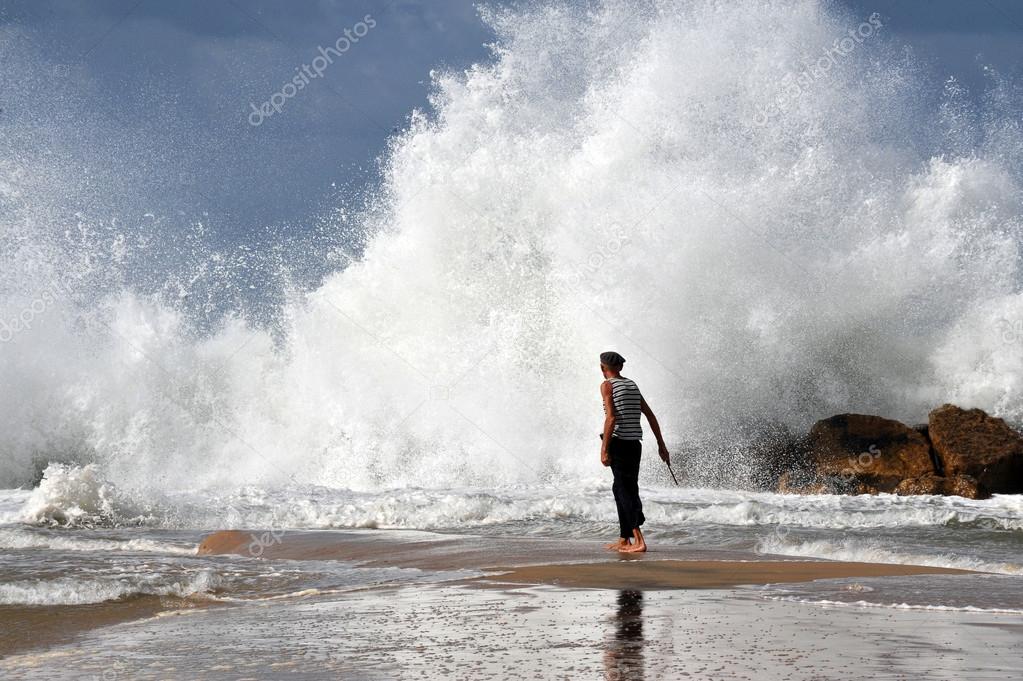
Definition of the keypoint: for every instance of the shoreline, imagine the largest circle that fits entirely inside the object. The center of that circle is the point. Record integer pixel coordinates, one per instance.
(542, 561)
(659, 575)
(456, 631)
(496, 603)
(492, 562)
(41, 627)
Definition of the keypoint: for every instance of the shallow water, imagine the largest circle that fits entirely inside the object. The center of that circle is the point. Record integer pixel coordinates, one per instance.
(453, 632)
(107, 557)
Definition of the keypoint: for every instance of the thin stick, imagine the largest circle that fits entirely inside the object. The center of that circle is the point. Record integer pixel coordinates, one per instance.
(672, 473)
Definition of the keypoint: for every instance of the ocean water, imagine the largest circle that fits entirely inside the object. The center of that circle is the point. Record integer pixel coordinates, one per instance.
(63, 550)
(768, 238)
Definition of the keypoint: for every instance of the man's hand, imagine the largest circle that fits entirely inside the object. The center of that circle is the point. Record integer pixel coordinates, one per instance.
(662, 450)
(605, 458)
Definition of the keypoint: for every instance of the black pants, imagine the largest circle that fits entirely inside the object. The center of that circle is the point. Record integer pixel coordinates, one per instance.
(625, 456)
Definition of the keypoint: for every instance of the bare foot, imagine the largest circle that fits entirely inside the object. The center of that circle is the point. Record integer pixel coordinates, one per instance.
(617, 545)
(638, 547)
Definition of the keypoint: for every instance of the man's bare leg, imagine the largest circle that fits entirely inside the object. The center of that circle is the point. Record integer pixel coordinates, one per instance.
(639, 546)
(617, 545)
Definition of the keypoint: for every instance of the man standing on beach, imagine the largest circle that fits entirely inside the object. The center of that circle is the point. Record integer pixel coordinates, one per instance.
(621, 446)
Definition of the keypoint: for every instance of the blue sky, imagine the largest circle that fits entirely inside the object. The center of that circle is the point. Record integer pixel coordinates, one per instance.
(179, 78)
(162, 91)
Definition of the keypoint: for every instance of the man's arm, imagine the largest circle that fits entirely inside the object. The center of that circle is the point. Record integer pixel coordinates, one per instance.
(609, 422)
(662, 449)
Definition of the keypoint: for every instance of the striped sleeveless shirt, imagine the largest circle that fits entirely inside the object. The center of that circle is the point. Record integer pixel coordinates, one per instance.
(626, 398)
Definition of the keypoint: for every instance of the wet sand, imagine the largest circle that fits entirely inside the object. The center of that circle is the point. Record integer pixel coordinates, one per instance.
(539, 561)
(700, 574)
(23, 627)
(456, 632)
(531, 613)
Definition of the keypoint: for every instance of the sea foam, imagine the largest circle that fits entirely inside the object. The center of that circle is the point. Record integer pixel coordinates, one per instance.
(81, 591)
(657, 178)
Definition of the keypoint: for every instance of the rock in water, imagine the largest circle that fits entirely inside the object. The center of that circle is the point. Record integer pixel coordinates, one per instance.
(963, 485)
(868, 452)
(968, 441)
(928, 483)
(931, 483)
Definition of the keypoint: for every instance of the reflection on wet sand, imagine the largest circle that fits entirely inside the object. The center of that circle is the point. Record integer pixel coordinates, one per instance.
(623, 651)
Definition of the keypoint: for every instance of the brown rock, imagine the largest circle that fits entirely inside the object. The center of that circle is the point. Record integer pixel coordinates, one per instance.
(962, 485)
(223, 541)
(869, 454)
(928, 483)
(931, 483)
(863, 488)
(969, 442)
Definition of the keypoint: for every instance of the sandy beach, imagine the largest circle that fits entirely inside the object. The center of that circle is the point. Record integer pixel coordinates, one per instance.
(536, 561)
(458, 632)
(502, 607)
